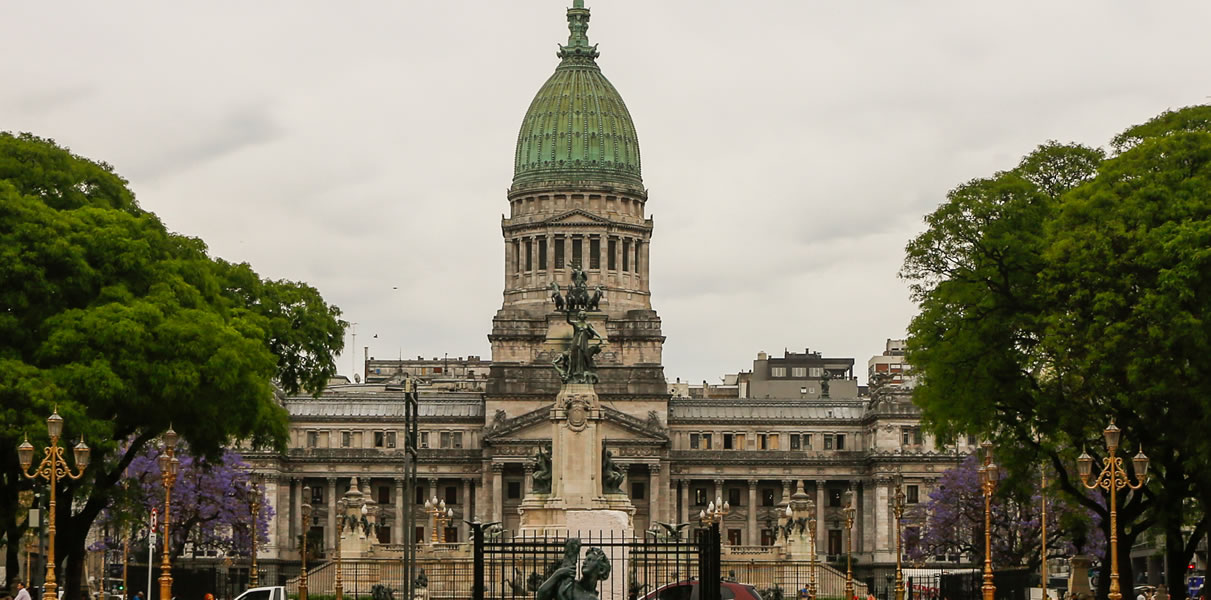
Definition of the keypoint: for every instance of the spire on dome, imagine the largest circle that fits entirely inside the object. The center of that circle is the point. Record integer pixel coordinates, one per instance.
(578, 49)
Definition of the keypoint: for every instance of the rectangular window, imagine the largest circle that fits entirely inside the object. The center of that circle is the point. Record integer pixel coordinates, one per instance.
(384, 534)
(626, 255)
(693, 441)
(451, 495)
(313, 439)
(445, 439)
(450, 536)
(727, 441)
(612, 254)
(828, 441)
(346, 439)
(775, 441)
(576, 251)
(514, 491)
(420, 533)
(516, 256)
(418, 497)
(529, 255)
(834, 497)
(424, 439)
(799, 372)
(816, 371)
(777, 371)
(740, 441)
(637, 244)
(733, 537)
(390, 439)
(384, 495)
(558, 253)
(542, 254)
(834, 542)
(594, 252)
(637, 490)
(767, 497)
(733, 497)
(706, 441)
(700, 496)
(795, 441)
(380, 439)
(317, 495)
(807, 441)
(840, 441)
(912, 494)
(767, 537)
(762, 441)
(457, 439)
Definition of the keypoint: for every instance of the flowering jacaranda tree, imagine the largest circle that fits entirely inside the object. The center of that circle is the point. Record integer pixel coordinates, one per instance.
(951, 523)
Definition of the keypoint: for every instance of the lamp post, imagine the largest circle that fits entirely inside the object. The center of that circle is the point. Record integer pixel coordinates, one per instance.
(52, 468)
(303, 548)
(253, 576)
(1112, 479)
(340, 530)
(169, 465)
(849, 511)
(1043, 537)
(811, 532)
(897, 509)
(989, 473)
(441, 516)
(714, 513)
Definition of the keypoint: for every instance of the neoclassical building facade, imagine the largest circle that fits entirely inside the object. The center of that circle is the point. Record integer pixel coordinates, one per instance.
(577, 198)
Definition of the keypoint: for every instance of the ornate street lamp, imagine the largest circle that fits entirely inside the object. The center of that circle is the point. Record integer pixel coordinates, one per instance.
(714, 513)
(441, 517)
(52, 468)
(169, 466)
(897, 509)
(1043, 501)
(849, 511)
(303, 549)
(253, 576)
(989, 473)
(340, 530)
(811, 532)
(1112, 479)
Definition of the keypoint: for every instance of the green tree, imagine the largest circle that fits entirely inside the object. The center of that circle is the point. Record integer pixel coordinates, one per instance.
(128, 328)
(1070, 289)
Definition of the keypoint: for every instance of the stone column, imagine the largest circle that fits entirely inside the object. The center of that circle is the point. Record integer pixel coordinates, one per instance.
(498, 495)
(430, 521)
(685, 500)
(753, 537)
(528, 483)
(330, 530)
(468, 511)
(718, 492)
(397, 532)
(626, 479)
(550, 255)
(296, 512)
(655, 507)
(869, 524)
(821, 527)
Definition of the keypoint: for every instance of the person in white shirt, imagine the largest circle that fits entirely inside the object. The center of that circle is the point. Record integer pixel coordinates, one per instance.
(22, 593)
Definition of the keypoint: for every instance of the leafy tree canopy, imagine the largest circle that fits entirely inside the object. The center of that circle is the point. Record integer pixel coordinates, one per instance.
(127, 328)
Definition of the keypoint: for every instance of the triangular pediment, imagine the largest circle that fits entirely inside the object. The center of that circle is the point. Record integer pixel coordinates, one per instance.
(576, 216)
(535, 425)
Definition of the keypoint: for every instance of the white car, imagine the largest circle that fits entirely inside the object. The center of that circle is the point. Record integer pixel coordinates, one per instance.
(276, 592)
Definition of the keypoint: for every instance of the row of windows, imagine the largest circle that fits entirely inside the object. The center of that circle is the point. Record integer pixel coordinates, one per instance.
(768, 495)
(764, 441)
(388, 439)
(797, 372)
(526, 259)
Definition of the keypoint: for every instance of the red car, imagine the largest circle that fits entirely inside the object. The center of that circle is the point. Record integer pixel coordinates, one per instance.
(688, 590)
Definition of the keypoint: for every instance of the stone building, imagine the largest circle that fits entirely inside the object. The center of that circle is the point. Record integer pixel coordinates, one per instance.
(577, 196)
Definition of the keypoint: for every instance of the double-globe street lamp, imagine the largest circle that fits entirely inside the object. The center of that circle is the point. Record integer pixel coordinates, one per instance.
(255, 505)
(897, 509)
(52, 468)
(989, 474)
(849, 511)
(303, 547)
(441, 517)
(1112, 479)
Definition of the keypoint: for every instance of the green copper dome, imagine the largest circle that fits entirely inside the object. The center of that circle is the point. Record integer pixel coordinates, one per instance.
(577, 127)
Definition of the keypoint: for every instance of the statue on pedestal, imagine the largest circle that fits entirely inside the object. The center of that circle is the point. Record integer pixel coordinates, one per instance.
(611, 474)
(542, 472)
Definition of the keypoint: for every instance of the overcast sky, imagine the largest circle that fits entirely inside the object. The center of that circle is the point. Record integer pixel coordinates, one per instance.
(790, 149)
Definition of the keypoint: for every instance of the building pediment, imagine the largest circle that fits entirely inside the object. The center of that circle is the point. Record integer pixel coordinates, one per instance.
(576, 217)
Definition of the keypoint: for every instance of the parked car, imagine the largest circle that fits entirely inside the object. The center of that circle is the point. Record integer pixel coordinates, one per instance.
(688, 590)
(276, 592)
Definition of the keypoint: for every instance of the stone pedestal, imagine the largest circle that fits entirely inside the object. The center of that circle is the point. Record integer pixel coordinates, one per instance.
(1078, 577)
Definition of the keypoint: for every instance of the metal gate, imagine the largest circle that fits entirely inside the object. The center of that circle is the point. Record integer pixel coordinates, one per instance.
(507, 567)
